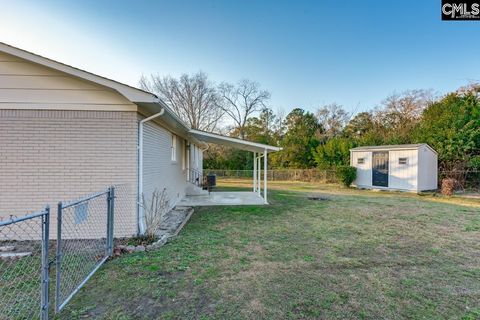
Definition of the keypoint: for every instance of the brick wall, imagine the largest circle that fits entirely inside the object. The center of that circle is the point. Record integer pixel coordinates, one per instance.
(48, 156)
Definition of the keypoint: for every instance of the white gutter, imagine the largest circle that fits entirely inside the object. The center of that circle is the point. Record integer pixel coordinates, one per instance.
(141, 220)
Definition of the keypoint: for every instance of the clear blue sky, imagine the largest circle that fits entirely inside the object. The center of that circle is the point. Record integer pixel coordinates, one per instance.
(306, 53)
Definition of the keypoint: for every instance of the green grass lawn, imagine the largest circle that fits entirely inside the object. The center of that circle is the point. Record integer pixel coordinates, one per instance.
(359, 255)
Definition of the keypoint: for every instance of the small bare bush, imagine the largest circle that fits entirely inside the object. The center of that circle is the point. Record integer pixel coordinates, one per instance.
(448, 186)
(155, 211)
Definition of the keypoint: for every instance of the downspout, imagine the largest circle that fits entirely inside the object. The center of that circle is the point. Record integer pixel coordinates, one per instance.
(141, 222)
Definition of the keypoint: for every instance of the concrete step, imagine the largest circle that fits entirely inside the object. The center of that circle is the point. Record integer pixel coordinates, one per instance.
(14, 255)
(7, 248)
(193, 190)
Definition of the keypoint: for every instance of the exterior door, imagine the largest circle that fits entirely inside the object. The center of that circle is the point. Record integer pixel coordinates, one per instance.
(380, 169)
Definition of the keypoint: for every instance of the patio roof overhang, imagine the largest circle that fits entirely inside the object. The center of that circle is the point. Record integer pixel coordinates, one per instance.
(259, 150)
(233, 142)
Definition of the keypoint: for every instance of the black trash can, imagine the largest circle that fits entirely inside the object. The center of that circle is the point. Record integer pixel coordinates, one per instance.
(212, 180)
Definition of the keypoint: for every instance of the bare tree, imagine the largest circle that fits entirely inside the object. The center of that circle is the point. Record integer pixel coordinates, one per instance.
(333, 118)
(399, 114)
(192, 97)
(403, 108)
(242, 100)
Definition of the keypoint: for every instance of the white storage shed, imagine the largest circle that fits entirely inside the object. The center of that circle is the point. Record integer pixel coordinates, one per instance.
(408, 167)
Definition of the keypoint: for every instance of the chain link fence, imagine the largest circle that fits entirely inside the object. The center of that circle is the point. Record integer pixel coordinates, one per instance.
(45, 260)
(125, 219)
(467, 180)
(23, 266)
(306, 175)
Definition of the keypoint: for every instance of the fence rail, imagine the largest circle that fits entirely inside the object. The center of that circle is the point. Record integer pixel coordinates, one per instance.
(33, 259)
(308, 175)
(467, 179)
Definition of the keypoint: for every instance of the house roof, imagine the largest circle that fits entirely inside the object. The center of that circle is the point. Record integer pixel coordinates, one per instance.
(148, 102)
(393, 147)
(233, 142)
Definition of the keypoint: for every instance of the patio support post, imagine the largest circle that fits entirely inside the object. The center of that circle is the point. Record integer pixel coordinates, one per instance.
(259, 171)
(265, 156)
(254, 171)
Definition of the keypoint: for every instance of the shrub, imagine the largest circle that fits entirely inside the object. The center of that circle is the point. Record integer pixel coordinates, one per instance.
(154, 211)
(346, 174)
(448, 186)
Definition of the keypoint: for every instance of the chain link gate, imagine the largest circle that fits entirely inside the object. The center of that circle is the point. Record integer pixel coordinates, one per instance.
(24, 266)
(83, 242)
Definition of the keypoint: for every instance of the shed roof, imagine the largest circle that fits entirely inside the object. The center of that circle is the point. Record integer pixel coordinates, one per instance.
(393, 147)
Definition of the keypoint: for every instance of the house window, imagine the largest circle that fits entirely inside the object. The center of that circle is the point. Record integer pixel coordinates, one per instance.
(360, 160)
(174, 147)
(402, 161)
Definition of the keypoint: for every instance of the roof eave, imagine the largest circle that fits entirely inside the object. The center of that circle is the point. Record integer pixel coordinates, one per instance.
(209, 137)
(133, 94)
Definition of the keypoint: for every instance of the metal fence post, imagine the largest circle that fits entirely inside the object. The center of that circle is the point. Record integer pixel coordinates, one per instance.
(45, 264)
(110, 215)
(58, 258)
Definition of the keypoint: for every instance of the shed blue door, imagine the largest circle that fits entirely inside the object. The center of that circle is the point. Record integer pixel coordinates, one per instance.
(380, 169)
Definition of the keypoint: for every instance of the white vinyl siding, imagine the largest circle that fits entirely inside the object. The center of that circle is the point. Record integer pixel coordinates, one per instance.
(401, 176)
(428, 177)
(159, 172)
(24, 84)
(364, 170)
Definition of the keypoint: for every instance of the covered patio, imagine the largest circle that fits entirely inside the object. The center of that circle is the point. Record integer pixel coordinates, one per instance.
(259, 193)
(223, 198)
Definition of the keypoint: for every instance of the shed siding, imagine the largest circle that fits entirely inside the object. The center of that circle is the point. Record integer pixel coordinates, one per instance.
(159, 171)
(364, 171)
(418, 174)
(403, 176)
(428, 171)
(49, 156)
(24, 84)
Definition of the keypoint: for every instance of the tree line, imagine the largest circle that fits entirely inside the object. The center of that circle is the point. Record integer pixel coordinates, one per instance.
(322, 139)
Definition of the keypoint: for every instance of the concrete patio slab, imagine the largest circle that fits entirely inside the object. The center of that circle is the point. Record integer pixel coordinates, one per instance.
(238, 198)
